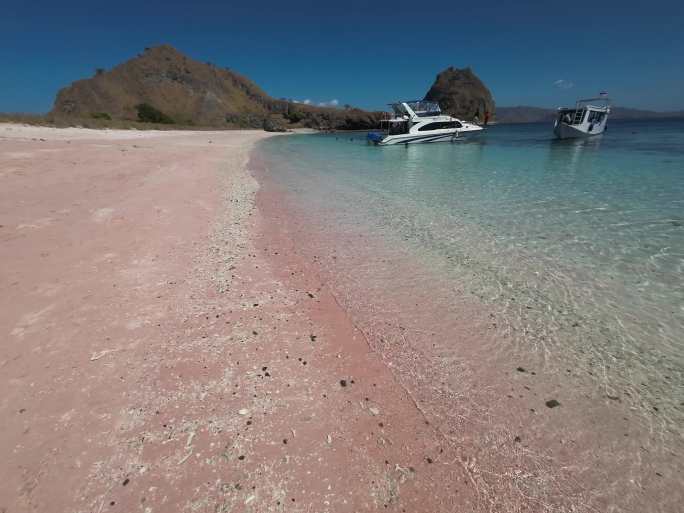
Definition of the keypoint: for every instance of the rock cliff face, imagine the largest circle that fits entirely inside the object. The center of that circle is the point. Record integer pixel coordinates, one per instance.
(190, 92)
(462, 94)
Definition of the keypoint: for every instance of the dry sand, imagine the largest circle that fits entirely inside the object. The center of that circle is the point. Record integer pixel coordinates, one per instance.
(160, 354)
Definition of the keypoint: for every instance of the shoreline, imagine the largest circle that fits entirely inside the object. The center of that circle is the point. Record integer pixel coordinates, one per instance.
(177, 343)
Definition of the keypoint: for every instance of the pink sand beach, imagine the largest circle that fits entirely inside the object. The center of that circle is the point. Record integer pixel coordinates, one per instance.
(165, 350)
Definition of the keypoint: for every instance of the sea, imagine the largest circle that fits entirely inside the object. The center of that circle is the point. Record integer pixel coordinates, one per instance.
(528, 293)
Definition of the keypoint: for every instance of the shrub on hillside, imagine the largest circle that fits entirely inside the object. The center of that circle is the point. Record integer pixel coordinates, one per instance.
(274, 124)
(294, 116)
(245, 120)
(101, 115)
(148, 114)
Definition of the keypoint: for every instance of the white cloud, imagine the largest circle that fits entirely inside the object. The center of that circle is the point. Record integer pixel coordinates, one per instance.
(563, 84)
(332, 103)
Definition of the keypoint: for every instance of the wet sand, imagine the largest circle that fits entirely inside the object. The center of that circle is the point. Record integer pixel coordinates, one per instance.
(535, 430)
(165, 350)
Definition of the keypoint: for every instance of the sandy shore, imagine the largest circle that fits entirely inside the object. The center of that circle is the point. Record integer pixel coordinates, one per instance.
(163, 351)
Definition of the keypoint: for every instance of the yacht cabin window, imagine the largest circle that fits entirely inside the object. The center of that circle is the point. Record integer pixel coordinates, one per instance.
(441, 125)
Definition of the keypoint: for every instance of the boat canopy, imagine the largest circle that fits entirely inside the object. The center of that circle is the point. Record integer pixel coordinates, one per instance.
(420, 107)
(424, 107)
(600, 103)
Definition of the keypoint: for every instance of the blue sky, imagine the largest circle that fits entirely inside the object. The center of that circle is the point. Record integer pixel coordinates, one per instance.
(362, 53)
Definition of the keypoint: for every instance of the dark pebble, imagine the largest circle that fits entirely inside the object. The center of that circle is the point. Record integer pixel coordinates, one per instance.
(521, 369)
(126, 481)
(241, 457)
(343, 382)
(517, 439)
(552, 403)
(429, 460)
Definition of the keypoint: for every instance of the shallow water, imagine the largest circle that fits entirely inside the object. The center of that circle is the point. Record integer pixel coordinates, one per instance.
(565, 255)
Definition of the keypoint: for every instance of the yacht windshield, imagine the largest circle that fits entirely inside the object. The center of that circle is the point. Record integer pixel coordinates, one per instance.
(399, 110)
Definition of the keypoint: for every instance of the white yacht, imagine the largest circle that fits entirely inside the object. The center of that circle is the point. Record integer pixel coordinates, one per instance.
(587, 118)
(420, 121)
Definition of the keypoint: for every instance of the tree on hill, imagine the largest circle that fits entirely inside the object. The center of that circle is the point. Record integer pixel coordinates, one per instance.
(148, 114)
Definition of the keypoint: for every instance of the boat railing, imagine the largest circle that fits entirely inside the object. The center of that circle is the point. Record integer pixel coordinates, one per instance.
(579, 117)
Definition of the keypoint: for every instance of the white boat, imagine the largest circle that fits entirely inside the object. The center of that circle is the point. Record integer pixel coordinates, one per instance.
(587, 118)
(420, 121)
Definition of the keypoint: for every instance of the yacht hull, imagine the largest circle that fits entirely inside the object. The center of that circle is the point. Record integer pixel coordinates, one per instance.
(418, 138)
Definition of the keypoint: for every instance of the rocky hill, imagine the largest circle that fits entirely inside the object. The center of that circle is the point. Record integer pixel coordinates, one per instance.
(462, 94)
(163, 85)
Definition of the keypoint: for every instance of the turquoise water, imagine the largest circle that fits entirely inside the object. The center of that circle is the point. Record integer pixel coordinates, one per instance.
(576, 248)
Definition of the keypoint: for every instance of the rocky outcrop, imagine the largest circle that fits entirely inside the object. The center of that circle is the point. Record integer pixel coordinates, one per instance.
(462, 94)
(190, 92)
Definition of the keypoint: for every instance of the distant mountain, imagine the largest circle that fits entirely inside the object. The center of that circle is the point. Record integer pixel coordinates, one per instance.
(526, 114)
(163, 85)
(627, 113)
(461, 94)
